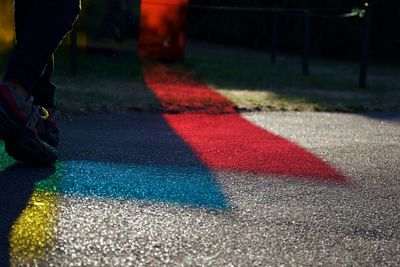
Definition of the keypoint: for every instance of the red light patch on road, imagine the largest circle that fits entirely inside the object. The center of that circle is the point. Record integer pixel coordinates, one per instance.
(223, 139)
(229, 142)
(179, 92)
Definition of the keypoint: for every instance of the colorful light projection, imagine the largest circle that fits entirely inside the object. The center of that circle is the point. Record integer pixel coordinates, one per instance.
(30, 234)
(224, 140)
(6, 23)
(162, 29)
(192, 186)
(34, 232)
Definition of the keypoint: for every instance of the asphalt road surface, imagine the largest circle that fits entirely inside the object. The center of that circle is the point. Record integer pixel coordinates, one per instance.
(129, 191)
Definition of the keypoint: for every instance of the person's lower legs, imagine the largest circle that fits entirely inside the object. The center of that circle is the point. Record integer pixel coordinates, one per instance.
(43, 94)
(44, 90)
(40, 27)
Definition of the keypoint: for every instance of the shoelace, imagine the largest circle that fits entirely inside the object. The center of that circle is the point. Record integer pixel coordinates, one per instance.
(59, 110)
(38, 113)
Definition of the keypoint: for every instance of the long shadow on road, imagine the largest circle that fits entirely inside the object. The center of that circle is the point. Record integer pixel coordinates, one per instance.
(140, 156)
(135, 156)
(124, 157)
(17, 183)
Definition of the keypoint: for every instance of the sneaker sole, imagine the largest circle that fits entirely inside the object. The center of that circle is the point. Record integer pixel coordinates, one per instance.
(21, 145)
(16, 151)
(50, 140)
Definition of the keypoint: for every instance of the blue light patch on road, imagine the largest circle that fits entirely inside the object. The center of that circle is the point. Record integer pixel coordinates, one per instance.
(192, 186)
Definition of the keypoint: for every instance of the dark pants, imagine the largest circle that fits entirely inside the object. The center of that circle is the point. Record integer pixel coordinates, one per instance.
(40, 26)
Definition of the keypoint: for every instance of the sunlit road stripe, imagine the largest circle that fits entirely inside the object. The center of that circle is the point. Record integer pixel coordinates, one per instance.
(33, 233)
(181, 181)
(185, 185)
(178, 92)
(228, 142)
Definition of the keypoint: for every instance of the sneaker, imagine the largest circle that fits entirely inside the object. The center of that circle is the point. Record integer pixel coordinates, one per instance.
(18, 120)
(47, 128)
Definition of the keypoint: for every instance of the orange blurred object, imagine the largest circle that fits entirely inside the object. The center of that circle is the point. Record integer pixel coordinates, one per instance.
(162, 29)
(6, 22)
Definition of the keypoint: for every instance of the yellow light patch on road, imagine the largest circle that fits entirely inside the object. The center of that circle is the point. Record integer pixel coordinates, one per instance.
(34, 231)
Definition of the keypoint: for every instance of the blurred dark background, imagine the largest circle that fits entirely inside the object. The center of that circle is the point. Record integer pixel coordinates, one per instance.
(229, 49)
(331, 36)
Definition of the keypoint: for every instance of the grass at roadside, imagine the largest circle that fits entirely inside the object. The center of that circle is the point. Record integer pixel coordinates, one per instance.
(113, 82)
(105, 82)
(253, 83)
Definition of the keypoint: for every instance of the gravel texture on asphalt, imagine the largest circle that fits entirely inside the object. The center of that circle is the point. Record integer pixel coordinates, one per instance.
(237, 219)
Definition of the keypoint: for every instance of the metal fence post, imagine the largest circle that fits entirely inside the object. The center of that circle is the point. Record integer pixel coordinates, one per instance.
(365, 47)
(274, 36)
(306, 44)
(73, 52)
